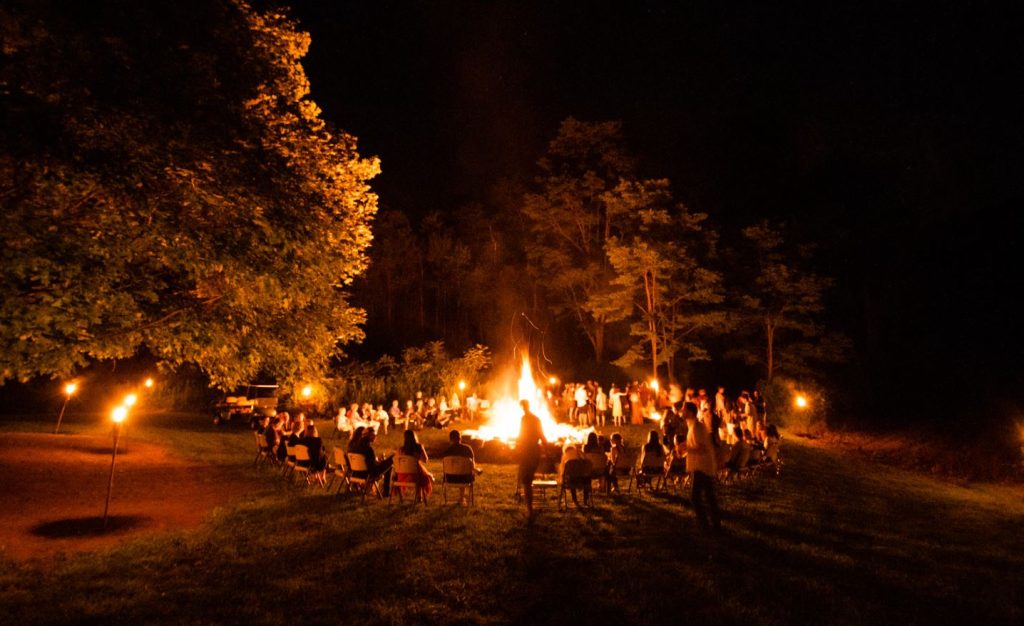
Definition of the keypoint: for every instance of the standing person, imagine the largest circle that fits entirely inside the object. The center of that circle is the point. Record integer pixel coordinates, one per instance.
(701, 465)
(720, 403)
(528, 447)
(616, 398)
(601, 403)
(580, 396)
(635, 409)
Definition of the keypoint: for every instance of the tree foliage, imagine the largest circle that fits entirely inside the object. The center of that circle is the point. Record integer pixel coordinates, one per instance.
(665, 285)
(780, 301)
(167, 182)
(569, 221)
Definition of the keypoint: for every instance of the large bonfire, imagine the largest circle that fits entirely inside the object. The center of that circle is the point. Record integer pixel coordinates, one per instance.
(505, 414)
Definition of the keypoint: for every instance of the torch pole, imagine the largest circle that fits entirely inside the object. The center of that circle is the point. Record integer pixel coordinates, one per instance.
(110, 484)
(60, 417)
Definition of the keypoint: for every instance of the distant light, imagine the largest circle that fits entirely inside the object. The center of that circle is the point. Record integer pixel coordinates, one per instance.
(801, 401)
(553, 380)
(70, 388)
(149, 383)
(130, 400)
(654, 384)
(119, 414)
(462, 385)
(307, 391)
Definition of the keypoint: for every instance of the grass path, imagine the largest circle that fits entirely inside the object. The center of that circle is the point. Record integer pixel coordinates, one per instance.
(836, 540)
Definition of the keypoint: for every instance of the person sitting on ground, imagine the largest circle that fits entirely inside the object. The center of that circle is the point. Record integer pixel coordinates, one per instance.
(377, 466)
(412, 447)
(395, 413)
(756, 447)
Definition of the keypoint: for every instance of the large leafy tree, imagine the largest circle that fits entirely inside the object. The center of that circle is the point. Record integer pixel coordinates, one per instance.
(569, 222)
(664, 284)
(781, 303)
(166, 182)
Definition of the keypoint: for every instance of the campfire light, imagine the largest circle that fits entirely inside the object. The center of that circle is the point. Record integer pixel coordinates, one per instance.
(801, 401)
(654, 384)
(462, 385)
(506, 414)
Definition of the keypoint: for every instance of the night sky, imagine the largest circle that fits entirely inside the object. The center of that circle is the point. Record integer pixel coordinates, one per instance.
(888, 135)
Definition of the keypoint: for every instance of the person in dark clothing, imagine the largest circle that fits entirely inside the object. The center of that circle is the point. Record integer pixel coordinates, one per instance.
(317, 456)
(377, 467)
(528, 449)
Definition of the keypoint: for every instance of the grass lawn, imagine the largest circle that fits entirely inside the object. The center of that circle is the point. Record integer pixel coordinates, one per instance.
(835, 540)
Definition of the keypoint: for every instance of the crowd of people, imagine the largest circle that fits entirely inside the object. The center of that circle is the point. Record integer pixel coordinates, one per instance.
(699, 436)
(416, 414)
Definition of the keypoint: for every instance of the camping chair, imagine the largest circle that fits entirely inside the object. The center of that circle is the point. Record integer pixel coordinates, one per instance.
(299, 458)
(625, 465)
(598, 469)
(652, 469)
(676, 474)
(405, 464)
(543, 479)
(576, 475)
(459, 472)
(338, 469)
(264, 452)
(359, 476)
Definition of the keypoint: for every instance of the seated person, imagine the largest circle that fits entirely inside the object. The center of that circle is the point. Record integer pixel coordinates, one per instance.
(675, 462)
(592, 444)
(571, 453)
(652, 448)
(756, 447)
(377, 466)
(739, 456)
(618, 449)
(317, 455)
(457, 448)
(356, 440)
(272, 434)
(412, 447)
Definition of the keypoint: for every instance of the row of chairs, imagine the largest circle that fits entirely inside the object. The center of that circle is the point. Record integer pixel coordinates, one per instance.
(297, 462)
(652, 475)
(350, 472)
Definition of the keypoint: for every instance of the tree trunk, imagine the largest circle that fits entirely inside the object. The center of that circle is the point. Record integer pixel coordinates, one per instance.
(598, 340)
(769, 331)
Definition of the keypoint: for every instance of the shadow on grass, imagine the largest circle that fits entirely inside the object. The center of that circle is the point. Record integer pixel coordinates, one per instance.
(89, 526)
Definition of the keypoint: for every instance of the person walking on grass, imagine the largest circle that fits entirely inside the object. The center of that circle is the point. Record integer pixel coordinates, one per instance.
(701, 465)
(528, 448)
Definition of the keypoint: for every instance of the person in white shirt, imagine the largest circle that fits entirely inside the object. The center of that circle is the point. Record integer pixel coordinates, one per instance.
(581, 404)
(616, 398)
(601, 402)
(720, 403)
(702, 466)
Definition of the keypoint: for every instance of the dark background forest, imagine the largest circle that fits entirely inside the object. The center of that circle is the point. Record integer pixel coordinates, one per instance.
(885, 138)
(888, 136)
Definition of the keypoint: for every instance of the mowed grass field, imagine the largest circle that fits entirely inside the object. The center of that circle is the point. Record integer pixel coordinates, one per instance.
(836, 539)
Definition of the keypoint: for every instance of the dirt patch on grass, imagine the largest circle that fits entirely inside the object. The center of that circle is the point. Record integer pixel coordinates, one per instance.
(54, 488)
